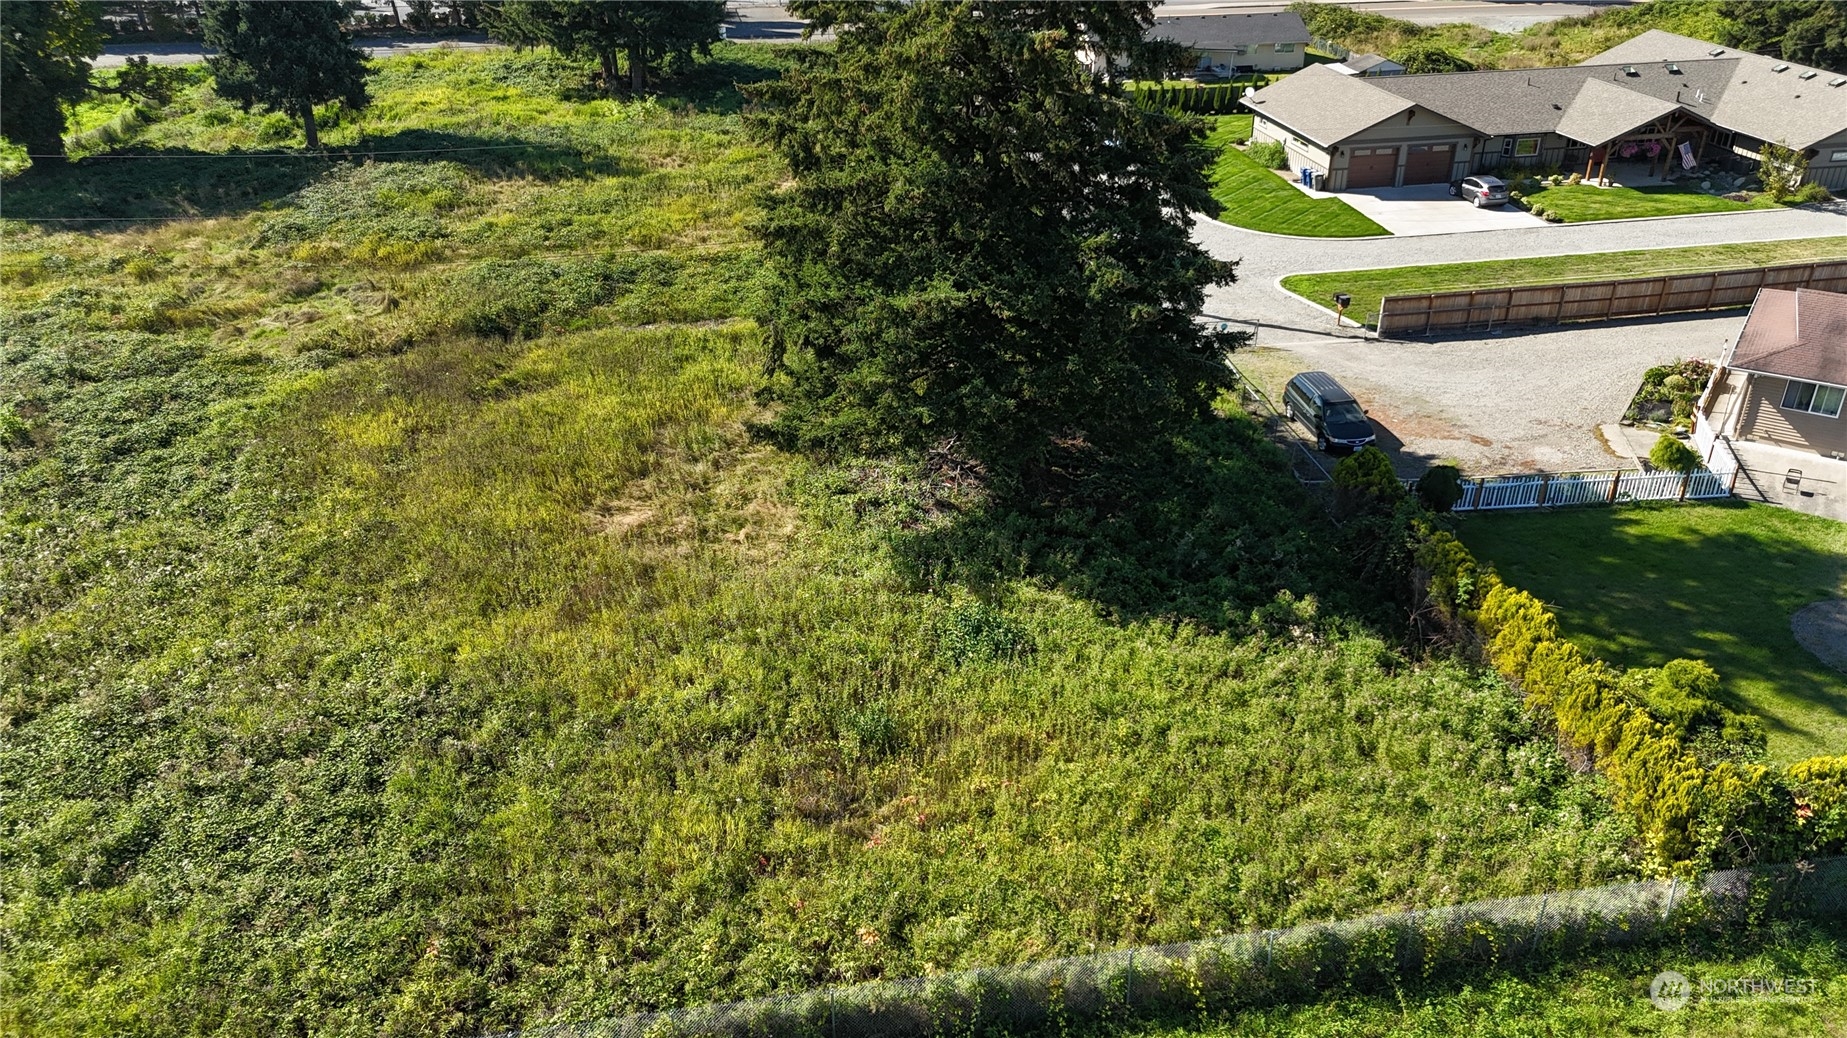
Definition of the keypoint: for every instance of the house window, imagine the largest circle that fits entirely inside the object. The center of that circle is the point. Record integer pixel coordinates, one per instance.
(1285, 48)
(1814, 398)
(1507, 147)
(1839, 156)
(1526, 147)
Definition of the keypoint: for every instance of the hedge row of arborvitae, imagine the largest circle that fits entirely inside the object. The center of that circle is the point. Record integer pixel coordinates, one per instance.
(1689, 771)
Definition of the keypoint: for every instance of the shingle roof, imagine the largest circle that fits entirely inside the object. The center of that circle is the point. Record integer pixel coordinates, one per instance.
(1363, 62)
(1535, 100)
(1772, 106)
(1799, 333)
(1325, 106)
(1223, 31)
(1736, 91)
(1603, 111)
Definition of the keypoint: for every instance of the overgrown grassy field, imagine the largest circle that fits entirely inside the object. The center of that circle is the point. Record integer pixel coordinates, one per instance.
(400, 632)
(1368, 287)
(1566, 41)
(1258, 199)
(1602, 994)
(1643, 584)
(1582, 203)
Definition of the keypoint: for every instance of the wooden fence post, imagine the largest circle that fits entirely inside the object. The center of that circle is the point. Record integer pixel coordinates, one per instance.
(1545, 484)
(1616, 479)
(1686, 480)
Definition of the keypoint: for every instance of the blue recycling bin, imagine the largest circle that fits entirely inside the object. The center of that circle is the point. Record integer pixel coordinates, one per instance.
(1308, 173)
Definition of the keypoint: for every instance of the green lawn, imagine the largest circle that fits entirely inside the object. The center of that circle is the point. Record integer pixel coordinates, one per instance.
(1641, 585)
(1368, 287)
(1229, 129)
(1582, 203)
(1260, 200)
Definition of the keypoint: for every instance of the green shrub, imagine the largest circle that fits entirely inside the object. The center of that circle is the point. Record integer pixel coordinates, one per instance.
(1269, 154)
(1812, 193)
(1440, 488)
(1670, 455)
(1364, 481)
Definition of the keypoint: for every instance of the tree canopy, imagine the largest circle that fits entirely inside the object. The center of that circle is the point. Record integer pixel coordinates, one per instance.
(285, 57)
(45, 52)
(1805, 31)
(654, 34)
(985, 242)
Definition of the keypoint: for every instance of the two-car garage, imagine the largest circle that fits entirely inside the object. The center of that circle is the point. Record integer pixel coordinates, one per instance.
(1378, 166)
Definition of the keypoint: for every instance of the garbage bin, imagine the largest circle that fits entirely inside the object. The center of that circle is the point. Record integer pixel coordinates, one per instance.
(1308, 174)
(1320, 178)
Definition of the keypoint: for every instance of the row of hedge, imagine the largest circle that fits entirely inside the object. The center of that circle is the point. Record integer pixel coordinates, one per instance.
(1198, 98)
(1690, 772)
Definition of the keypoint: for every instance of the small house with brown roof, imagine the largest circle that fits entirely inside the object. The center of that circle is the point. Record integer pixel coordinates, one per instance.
(1784, 381)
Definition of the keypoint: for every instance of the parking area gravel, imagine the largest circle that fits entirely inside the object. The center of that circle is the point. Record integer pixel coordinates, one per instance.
(1518, 401)
(1510, 403)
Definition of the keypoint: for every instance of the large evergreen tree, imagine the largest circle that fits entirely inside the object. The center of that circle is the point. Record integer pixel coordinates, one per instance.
(1805, 31)
(285, 57)
(985, 242)
(45, 52)
(654, 34)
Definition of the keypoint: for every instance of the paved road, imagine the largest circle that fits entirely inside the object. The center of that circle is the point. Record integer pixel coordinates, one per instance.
(1264, 258)
(1498, 15)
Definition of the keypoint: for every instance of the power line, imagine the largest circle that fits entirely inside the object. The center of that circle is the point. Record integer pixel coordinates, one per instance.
(346, 153)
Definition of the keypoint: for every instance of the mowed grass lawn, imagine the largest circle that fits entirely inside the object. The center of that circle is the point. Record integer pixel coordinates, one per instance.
(1368, 287)
(1258, 199)
(1642, 585)
(1582, 203)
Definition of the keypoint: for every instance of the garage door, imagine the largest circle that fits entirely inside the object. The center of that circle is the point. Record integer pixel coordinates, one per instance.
(1372, 167)
(1428, 163)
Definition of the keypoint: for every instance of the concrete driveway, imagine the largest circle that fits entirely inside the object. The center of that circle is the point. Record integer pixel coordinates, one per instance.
(1429, 209)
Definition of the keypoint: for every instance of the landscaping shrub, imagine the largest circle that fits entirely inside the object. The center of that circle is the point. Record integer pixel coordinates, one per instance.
(1270, 154)
(1364, 481)
(1670, 455)
(1440, 488)
(1669, 391)
(1812, 193)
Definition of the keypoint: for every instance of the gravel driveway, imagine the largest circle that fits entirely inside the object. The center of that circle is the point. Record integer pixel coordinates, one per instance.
(1501, 403)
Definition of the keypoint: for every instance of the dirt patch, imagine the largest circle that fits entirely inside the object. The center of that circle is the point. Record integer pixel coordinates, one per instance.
(1821, 628)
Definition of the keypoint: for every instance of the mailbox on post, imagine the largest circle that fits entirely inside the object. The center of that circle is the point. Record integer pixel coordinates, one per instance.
(1341, 299)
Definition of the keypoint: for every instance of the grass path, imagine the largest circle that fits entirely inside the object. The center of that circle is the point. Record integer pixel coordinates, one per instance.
(1368, 287)
(1257, 199)
(1640, 586)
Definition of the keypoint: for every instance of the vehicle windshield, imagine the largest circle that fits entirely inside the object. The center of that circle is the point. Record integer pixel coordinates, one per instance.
(1348, 413)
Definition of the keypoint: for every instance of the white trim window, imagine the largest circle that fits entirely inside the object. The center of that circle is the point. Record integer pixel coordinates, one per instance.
(1285, 48)
(1814, 397)
(1526, 148)
(1839, 156)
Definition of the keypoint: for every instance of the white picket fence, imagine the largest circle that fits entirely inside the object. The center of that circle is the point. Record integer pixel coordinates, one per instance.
(1613, 486)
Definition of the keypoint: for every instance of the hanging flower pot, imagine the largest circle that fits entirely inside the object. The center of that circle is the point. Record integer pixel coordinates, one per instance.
(1627, 151)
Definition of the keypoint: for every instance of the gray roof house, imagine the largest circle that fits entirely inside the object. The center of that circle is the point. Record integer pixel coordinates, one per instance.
(1647, 98)
(1264, 42)
(1369, 65)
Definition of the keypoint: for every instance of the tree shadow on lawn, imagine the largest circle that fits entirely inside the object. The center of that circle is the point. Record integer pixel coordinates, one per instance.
(1206, 526)
(177, 183)
(1643, 591)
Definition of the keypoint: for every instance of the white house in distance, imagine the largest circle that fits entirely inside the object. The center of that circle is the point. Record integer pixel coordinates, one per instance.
(1229, 43)
(1368, 65)
(1656, 94)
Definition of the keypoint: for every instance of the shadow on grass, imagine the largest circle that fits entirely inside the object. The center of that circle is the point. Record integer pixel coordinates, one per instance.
(141, 184)
(1643, 584)
(1207, 526)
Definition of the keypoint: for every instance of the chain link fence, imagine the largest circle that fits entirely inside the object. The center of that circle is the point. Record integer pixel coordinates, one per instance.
(1220, 974)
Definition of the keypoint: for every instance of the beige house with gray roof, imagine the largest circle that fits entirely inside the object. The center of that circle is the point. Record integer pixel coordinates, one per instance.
(1651, 95)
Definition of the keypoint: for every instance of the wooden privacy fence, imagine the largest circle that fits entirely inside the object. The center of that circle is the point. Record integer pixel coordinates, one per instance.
(1599, 300)
(1555, 490)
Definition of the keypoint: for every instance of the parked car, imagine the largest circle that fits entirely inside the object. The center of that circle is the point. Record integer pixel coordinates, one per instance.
(1480, 190)
(1329, 411)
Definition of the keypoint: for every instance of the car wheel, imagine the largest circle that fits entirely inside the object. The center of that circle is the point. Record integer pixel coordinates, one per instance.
(1454, 191)
(1321, 441)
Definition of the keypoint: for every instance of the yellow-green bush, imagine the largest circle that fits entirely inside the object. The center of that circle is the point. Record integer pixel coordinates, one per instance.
(1642, 730)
